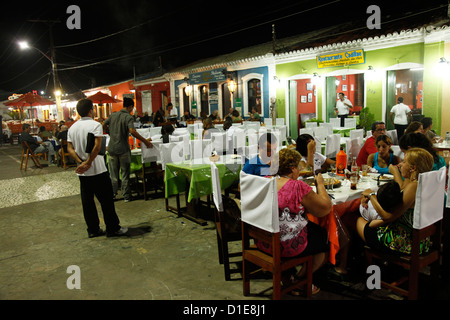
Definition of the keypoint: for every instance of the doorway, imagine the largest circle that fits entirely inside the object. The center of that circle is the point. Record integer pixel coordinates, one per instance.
(408, 84)
(351, 85)
(204, 105)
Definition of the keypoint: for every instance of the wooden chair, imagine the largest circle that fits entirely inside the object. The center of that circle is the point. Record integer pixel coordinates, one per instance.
(151, 175)
(259, 210)
(28, 153)
(428, 214)
(226, 230)
(65, 161)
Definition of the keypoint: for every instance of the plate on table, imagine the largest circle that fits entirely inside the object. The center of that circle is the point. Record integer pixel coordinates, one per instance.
(385, 177)
(311, 182)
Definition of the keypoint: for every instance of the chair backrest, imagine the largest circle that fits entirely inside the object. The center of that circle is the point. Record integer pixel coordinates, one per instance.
(332, 145)
(239, 135)
(430, 194)
(217, 191)
(200, 148)
(350, 122)
(312, 124)
(151, 154)
(259, 202)
(320, 133)
(353, 146)
(171, 152)
(309, 131)
(155, 131)
(357, 134)
(219, 141)
(393, 135)
(329, 126)
(335, 122)
(252, 138)
(279, 121)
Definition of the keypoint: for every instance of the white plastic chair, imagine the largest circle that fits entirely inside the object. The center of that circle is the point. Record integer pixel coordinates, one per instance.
(171, 152)
(311, 124)
(353, 147)
(393, 135)
(357, 134)
(335, 122)
(332, 145)
(350, 123)
(309, 131)
(320, 133)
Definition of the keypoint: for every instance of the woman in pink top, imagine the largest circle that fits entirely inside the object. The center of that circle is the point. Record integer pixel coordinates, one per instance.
(295, 198)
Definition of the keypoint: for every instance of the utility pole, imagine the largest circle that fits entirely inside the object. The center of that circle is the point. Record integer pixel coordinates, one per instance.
(56, 84)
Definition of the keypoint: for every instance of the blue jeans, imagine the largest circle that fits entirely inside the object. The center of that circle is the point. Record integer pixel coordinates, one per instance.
(119, 165)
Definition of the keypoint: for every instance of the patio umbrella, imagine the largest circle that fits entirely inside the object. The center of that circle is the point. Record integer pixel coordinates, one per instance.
(101, 97)
(29, 100)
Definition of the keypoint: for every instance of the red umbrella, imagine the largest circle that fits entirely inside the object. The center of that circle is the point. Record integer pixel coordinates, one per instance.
(29, 100)
(101, 97)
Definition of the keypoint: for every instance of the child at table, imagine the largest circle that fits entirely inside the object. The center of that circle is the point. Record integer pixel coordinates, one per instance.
(388, 195)
(306, 146)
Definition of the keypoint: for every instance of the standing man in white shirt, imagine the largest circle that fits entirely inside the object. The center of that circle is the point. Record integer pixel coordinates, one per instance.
(94, 178)
(400, 117)
(343, 106)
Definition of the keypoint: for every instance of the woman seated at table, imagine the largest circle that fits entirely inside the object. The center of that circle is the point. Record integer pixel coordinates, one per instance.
(419, 140)
(396, 233)
(208, 128)
(306, 146)
(295, 199)
(381, 160)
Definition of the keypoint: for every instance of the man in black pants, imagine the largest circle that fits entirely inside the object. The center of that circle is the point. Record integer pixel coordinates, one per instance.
(94, 178)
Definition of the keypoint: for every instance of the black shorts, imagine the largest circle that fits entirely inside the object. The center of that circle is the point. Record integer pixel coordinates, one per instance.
(370, 234)
(317, 240)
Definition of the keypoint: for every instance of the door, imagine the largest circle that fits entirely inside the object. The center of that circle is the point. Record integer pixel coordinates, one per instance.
(331, 98)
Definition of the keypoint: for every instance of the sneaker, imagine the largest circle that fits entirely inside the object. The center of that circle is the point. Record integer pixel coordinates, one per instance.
(128, 200)
(123, 231)
(99, 233)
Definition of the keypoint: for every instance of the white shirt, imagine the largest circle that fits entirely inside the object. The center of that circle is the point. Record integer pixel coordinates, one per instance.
(173, 113)
(77, 135)
(319, 160)
(400, 112)
(342, 108)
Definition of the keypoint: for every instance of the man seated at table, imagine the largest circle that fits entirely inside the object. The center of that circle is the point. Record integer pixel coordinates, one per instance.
(264, 164)
(37, 146)
(378, 128)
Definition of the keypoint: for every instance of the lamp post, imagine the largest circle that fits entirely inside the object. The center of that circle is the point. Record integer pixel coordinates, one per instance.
(57, 91)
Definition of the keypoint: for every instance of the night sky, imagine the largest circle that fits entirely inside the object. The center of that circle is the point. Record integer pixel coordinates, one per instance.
(137, 35)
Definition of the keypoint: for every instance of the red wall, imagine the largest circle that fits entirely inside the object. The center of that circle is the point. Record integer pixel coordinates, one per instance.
(156, 89)
(117, 91)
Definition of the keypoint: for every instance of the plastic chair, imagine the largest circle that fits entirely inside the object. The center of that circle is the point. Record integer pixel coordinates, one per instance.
(357, 134)
(259, 214)
(226, 230)
(350, 123)
(332, 145)
(335, 122)
(428, 214)
(393, 135)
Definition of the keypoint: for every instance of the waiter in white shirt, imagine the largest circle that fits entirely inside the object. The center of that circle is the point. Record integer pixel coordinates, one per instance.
(400, 117)
(343, 106)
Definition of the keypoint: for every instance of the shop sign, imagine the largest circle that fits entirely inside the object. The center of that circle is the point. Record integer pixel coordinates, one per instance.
(216, 75)
(341, 59)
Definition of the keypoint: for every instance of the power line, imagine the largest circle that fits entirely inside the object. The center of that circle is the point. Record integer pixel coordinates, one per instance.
(196, 42)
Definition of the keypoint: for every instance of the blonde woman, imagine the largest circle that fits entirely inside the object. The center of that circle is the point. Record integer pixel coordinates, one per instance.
(395, 234)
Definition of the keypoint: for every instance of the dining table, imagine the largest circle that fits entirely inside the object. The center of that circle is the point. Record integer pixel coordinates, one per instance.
(194, 178)
(340, 193)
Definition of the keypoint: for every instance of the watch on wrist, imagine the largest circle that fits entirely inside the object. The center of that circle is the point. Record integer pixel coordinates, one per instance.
(372, 194)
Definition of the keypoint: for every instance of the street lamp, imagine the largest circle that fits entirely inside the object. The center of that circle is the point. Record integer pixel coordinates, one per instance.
(23, 45)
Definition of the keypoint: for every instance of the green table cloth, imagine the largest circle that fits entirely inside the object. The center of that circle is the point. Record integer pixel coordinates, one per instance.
(195, 176)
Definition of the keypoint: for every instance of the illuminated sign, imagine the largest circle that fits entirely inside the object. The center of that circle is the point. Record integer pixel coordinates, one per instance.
(341, 59)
